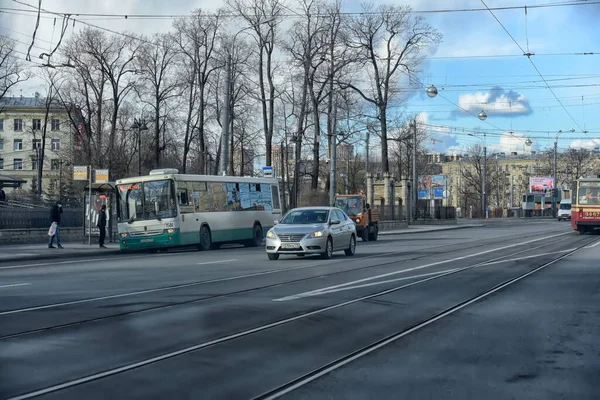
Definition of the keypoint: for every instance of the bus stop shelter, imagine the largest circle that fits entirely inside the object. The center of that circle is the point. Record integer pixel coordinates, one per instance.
(8, 181)
(102, 194)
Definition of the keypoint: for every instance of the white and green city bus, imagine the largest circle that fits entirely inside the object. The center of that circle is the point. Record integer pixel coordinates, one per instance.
(168, 209)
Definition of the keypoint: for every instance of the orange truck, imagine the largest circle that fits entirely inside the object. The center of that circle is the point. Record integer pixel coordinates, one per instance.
(357, 208)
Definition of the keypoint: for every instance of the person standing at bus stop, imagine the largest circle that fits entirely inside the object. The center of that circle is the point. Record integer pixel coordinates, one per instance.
(102, 225)
(55, 213)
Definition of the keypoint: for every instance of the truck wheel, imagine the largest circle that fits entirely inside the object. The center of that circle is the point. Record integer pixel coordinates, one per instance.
(364, 235)
(373, 236)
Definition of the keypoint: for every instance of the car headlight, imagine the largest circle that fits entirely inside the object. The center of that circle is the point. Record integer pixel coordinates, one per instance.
(271, 235)
(124, 235)
(317, 234)
(170, 230)
(358, 220)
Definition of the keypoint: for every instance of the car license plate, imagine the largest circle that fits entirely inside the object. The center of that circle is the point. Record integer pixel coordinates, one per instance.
(290, 245)
(146, 240)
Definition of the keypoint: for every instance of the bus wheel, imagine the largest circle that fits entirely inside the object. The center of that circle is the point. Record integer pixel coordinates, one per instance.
(257, 236)
(205, 239)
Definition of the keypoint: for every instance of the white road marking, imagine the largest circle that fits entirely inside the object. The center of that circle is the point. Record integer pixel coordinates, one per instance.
(216, 262)
(591, 246)
(231, 278)
(320, 292)
(424, 266)
(14, 285)
(394, 338)
(528, 257)
(152, 360)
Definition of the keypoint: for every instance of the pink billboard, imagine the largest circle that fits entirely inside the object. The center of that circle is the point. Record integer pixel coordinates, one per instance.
(541, 184)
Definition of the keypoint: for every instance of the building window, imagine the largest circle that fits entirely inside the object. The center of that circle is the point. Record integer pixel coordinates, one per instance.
(36, 144)
(1, 124)
(18, 145)
(54, 164)
(18, 125)
(55, 144)
(34, 164)
(55, 125)
(18, 164)
(1, 144)
(1, 163)
(37, 124)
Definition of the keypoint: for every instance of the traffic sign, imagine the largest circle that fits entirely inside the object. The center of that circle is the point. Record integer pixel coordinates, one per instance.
(268, 172)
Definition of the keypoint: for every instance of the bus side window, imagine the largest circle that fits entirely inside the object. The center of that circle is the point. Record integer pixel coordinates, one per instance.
(201, 196)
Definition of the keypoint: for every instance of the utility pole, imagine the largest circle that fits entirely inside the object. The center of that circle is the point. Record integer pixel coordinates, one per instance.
(333, 157)
(554, 176)
(415, 186)
(225, 118)
(283, 185)
(484, 179)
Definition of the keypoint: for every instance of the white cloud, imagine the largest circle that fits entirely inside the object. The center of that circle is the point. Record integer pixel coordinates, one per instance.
(589, 144)
(496, 101)
(511, 142)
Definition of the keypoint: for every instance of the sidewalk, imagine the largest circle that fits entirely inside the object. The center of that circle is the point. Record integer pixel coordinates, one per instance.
(32, 252)
(427, 228)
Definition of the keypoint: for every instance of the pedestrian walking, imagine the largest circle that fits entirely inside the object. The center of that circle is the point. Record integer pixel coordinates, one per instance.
(54, 232)
(102, 225)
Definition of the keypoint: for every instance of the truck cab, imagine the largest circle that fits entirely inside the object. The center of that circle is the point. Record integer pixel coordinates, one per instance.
(365, 219)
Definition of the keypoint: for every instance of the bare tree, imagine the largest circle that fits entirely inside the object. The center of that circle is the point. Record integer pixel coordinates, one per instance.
(197, 37)
(51, 103)
(156, 65)
(471, 173)
(256, 13)
(308, 45)
(104, 65)
(11, 67)
(390, 39)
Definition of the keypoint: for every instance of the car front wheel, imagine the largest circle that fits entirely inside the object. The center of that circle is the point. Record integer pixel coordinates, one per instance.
(351, 250)
(328, 250)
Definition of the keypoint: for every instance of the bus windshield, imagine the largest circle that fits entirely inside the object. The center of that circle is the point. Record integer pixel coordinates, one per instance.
(351, 205)
(146, 200)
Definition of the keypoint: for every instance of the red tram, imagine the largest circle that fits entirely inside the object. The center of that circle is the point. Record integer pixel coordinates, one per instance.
(585, 206)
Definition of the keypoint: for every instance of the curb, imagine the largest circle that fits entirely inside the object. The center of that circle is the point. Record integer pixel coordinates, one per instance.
(389, 233)
(66, 256)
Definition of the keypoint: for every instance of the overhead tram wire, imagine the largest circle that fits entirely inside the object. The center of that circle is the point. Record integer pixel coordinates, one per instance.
(528, 55)
(296, 15)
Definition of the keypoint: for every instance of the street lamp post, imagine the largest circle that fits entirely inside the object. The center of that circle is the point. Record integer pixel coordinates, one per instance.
(555, 188)
(140, 125)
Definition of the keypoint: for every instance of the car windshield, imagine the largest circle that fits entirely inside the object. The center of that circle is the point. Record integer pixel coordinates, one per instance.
(145, 201)
(351, 205)
(305, 217)
(565, 206)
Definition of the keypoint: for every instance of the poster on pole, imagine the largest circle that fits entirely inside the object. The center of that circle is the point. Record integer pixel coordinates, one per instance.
(424, 187)
(541, 185)
(80, 173)
(101, 176)
(439, 185)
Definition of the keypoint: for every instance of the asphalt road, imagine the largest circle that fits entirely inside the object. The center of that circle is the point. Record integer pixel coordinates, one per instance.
(509, 310)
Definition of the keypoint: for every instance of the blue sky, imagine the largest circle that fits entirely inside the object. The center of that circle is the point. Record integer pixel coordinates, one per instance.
(508, 88)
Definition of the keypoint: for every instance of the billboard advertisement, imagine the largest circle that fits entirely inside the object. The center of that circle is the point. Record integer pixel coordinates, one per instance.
(433, 187)
(541, 185)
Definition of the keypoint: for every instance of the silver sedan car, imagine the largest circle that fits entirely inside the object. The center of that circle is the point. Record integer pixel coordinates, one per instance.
(312, 230)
